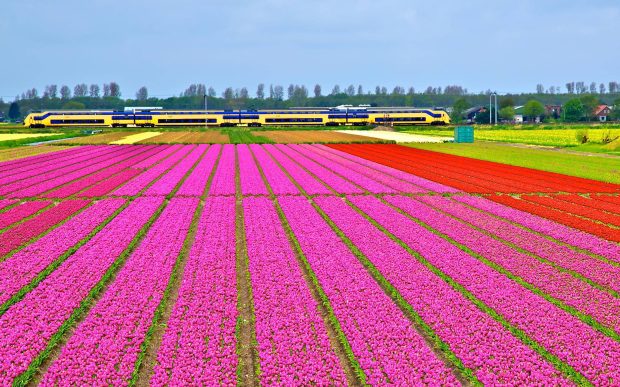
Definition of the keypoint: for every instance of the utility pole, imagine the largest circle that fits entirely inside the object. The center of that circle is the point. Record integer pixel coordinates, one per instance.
(491, 96)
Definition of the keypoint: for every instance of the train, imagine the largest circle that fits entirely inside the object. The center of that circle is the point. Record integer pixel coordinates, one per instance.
(344, 115)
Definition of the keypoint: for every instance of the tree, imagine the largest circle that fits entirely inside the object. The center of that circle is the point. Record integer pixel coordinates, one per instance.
(613, 87)
(142, 94)
(615, 112)
(573, 110)
(540, 89)
(14, 112)
(278, 93)
(94, 91)
(115, 90)
(593, 87)
(211, 92)
(260, 91)
(106, 90)
(317, 90)
(398, 90)
(350, 90)
(581, 87)
(602, 89)
(505, 102)
(243, 93)
(228, 93)
(378, 90)
(65, 92)
(533, 109)
(383, 90)
(590, 103)
(335, 90)
(80, 90)
(507, 113)
(289, 91)
(458, 110)
(51, 91)
(73, 105)
(570, 87)
(360, 90)
(411, 91)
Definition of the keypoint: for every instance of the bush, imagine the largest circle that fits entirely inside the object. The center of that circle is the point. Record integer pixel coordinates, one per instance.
(607, 138)
(582, 136)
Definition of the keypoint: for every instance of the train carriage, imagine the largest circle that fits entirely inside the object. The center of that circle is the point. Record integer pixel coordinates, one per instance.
(149, 117)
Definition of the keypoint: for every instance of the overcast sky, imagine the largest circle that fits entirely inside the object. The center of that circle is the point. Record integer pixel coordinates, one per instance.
(508, 46)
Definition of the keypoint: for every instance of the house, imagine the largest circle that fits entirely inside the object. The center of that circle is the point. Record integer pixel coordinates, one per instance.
(602, 112)
(554, 111)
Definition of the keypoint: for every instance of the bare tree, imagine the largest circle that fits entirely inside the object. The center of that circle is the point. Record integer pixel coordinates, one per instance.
(613, 87)
(552, 90)
(228, 93)
(106, 89)
(411, 91)
(378, 90)
(581, 87)
(278, 93)
(271, 92)
(601, 88)
(65, 92)
(260, 91)
(211, 92)
(80, 90)
(593, 87)
(94, 91)
(540, 89)
(289, 91)
(317, 90)
(51, 91)
(398, 90)
(142, 94)
(383, 90)
(360, 90)
(335, 90)
(350, 90)
(243, 93)
(115, 90)
(570, 87)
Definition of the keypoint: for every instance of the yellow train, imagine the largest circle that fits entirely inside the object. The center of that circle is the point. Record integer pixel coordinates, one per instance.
(345, 115)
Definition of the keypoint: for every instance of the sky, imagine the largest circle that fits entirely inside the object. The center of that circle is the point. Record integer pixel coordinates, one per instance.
(501, 45)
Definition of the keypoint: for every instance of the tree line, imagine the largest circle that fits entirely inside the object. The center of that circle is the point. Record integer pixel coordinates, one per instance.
(109, 96)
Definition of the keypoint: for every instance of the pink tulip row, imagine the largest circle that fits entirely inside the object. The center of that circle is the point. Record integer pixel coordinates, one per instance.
(26, 327)
(106, 186)
(336, 182)
(387, 346)
(19, 165)
(21, 268)
(137, 184)
(249, 175)
(277, 179)
(163, 152)
(44, 186)
(329, 159)
(598, 271)
(171, 179)
(23, 180)
(24, 232)
(21, 212)
(100, 175)
(370, 184)
(59, 174)
(199, 344)
(293, 345)
(482, 344)
(31, 166)
(224, 178)
(556, 283)
(4, 203)
(106, 345)
(307, 182)
(196, 182)
(558, 231)
(563, 335)
(424, 184)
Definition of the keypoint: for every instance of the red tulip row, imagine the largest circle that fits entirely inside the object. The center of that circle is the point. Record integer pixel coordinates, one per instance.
(21, 211)
(471, 175)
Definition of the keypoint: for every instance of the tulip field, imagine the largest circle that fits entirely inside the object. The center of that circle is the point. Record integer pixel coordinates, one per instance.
(302, 264)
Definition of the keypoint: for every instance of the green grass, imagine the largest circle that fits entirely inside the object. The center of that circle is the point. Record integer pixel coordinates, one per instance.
(31, 140)
(244, 136)
(573, 164)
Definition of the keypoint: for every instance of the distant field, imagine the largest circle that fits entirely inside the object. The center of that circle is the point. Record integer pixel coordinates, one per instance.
(604, 168)
(313, 136)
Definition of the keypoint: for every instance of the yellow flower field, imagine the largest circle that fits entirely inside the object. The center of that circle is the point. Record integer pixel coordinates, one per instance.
(19, 136)
(135, 138)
